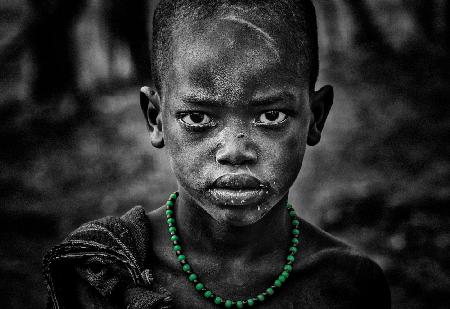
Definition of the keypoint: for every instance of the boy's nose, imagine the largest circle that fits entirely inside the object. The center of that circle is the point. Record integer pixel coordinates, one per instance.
(236, 150)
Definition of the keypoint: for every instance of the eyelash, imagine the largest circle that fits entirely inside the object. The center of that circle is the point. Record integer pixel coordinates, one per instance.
(195, 127)
(212, 123)
(276, 124)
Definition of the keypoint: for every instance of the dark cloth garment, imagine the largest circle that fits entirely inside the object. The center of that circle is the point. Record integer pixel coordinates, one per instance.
(104, 263)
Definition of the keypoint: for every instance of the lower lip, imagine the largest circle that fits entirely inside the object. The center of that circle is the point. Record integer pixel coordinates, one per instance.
(237, 197)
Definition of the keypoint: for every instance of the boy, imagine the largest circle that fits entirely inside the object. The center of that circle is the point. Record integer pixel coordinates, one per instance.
(234, 104)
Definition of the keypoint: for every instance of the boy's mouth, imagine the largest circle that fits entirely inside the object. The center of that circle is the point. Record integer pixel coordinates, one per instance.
(238, 189)
(237, 181)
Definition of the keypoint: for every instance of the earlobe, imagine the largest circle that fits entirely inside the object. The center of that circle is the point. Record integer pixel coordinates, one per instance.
(321, 102)
(150, 105)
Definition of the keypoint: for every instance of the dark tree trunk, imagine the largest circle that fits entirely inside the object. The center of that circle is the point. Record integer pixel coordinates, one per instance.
(129, 21)
(368, 34)
(52, 47)
(425, 17)
(447, 26)
(330, 16)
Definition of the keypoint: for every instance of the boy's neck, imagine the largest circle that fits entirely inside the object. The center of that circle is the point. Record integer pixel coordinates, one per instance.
(202, 233)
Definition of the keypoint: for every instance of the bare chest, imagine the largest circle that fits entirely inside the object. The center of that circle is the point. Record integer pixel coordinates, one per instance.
(301, 290)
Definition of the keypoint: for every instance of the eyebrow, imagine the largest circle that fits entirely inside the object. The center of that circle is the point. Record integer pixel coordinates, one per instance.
(202, 100)
(208, 101)
(273, 99)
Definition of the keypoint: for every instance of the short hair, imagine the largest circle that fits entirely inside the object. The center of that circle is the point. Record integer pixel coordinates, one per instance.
(296, 20)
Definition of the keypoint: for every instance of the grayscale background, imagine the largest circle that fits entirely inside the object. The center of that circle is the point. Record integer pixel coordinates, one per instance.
(73, 144)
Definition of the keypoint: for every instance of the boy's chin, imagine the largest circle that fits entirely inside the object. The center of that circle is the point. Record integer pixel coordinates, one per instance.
(235, 216)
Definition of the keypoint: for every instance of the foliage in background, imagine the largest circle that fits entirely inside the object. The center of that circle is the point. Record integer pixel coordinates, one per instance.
(394, 198)
(74, 145)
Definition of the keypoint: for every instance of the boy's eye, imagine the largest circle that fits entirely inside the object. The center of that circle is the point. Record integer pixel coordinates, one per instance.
(195, 119)
(271, 118)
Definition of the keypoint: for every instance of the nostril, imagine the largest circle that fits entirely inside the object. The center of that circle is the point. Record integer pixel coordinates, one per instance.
(235, 161)
(235, 156)
(240, 135)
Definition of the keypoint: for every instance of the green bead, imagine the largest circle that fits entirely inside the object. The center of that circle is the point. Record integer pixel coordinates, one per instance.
(208, 294)
(228, 303)
(181, 257)
(282, 278)
(192, 277)
(239, 304)
(287, 268)
(199, 286)
(285, 274)
(174, 238)
(260, 297)
(169, 203)
(169, 212)
(295, 231)
(295, 241)
(290, 258)
(295, 222)
(217, 300)
(250, 302)
(288, 205)
(177, 248)
(186, 267)
(270, 291)
(171, 220)
(292, 214)
(172, 229)
(293, 250)
(173, 196)
(278, 283)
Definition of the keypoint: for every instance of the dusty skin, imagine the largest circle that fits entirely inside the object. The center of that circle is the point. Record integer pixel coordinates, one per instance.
(212, 121)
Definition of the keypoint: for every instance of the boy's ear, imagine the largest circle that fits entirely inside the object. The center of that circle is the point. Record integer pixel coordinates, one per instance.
(151, 107)
(321, 102)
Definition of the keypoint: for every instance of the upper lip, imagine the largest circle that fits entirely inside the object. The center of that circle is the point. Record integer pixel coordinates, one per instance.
(238, 181)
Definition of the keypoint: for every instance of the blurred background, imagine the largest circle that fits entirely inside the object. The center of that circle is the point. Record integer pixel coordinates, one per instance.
(74, 145)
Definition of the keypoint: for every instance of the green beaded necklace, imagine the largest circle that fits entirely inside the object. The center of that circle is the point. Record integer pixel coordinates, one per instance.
(208, 294)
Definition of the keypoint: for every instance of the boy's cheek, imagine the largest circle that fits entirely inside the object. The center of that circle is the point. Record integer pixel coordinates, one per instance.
(191, 163)
(283, 172)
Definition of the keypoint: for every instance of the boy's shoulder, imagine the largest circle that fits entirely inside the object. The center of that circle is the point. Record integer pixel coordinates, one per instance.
(335, 269)
(318, 246)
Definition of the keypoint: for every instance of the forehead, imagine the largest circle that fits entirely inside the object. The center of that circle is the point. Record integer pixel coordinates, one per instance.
(231, 56)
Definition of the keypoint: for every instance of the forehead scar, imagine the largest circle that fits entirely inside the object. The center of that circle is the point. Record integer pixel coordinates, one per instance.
(270, 41)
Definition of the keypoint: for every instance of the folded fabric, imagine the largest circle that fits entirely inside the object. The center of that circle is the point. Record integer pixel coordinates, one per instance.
(107, 263)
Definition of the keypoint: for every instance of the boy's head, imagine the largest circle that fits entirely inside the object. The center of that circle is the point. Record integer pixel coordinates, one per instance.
(234, 100)
(290, 25)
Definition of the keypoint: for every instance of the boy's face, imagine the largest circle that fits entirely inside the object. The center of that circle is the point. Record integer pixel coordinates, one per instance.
(235, 120)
